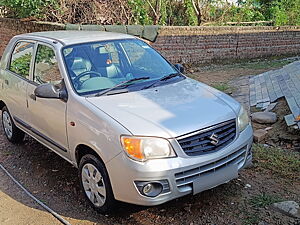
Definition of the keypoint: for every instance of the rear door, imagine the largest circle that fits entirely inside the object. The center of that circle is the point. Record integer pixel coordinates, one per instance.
(47, 116)
(16, 79)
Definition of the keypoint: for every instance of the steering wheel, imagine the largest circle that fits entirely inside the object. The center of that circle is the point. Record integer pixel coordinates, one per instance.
(77, 81)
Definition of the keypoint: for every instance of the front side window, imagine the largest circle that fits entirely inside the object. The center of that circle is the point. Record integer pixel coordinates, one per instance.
(21, 58)
(45, 66)
(94, 67)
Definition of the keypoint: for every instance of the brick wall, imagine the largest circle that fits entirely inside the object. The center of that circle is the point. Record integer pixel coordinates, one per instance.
(207, 44)
(11, 27)
(193, 44)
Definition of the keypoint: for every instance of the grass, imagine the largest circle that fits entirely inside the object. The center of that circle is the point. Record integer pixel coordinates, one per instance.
(265, 64)
(283, 163)
(251, 219)
(255, 64)
(263, 200)
(222, 87)
(258, 201)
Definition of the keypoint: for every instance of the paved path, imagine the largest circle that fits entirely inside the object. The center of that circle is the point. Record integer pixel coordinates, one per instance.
(241, 91)
(268, 87)
(18, 208)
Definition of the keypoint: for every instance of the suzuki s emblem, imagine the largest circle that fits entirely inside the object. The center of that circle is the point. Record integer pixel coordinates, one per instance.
(214, 139)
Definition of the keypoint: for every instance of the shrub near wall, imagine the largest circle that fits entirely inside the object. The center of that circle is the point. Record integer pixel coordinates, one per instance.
(190, 45)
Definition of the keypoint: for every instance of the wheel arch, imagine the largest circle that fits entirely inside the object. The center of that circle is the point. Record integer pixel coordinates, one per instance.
(82, 150)
(2, 105)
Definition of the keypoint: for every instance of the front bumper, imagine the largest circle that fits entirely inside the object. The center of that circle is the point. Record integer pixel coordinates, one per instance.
(181, 172)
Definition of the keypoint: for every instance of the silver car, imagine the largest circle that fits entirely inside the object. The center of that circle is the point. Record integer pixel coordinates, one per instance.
(138, 130)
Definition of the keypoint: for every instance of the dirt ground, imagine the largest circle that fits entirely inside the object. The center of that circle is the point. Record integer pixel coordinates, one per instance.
(243, 201)
(15, 207)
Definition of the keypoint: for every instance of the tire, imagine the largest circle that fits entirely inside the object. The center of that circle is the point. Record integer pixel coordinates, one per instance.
(96, 188)
(12, 133)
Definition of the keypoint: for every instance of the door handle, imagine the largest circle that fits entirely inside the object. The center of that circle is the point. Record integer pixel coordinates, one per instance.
(33, 97)
(6, 82)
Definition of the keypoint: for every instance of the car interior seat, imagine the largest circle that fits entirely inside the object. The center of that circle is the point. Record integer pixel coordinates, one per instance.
(103, 64)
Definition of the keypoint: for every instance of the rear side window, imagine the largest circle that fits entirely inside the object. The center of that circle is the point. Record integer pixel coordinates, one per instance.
(45, 66)
(21, 58)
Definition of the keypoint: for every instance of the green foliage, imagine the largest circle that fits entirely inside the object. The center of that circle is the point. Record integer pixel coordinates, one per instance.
(140, 12)
(26, 8)
(21, 65)
(263, 200)
(285, 12)
(245, 12)
(280, 162)
(224, 87)
(45, 54)
(190, 13)
(169, 12)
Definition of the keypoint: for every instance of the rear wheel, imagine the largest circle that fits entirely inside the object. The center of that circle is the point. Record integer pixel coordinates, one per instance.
(95, 183)
(13, 134)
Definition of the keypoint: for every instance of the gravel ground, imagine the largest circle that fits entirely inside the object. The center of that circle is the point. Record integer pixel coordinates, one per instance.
(54, 181)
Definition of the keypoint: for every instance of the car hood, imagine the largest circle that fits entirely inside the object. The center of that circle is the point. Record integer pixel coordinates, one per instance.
(170, 110)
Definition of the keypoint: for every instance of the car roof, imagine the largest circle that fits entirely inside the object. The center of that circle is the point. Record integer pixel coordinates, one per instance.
(75, 37)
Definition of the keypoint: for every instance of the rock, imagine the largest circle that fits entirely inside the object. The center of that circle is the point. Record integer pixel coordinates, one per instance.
(262, 223)
(260, 135)
(248, 186)
(289, 208)
(270, 107)
(264, 117)
(268, 128)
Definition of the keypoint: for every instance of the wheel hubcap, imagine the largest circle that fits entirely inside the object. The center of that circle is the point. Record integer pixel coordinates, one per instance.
(7, 124)
(93, 184)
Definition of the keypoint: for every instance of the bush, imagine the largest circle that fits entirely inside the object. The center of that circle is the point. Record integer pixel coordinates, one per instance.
(285, 12)
(27, 8)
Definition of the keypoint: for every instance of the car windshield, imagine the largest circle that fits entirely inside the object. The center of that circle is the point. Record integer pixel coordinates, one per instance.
(98, 66)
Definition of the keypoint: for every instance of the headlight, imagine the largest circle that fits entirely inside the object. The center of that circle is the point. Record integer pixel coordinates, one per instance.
(243, 119)
(144, 148)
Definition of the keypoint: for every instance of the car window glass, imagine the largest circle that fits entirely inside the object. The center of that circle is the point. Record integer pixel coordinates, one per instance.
(93, 67)
(141, 58)
(45, 67)
(21, 58)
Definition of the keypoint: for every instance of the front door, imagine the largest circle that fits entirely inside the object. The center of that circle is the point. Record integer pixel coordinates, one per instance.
(47, 116)
(16, 78)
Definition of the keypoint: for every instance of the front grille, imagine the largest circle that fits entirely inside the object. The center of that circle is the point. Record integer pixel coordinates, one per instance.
(200, 142)
(187, 177)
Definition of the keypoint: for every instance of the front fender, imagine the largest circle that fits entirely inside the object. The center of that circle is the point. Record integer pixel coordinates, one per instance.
(93, 128)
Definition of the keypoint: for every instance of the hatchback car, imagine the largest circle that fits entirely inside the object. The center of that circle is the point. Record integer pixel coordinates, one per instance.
(138, 130)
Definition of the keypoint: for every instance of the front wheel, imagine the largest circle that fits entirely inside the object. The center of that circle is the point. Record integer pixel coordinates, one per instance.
(13, 134)
(95, 184)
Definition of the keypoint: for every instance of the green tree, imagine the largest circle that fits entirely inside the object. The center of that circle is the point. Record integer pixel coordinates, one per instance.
(285, 12)
(26, 8)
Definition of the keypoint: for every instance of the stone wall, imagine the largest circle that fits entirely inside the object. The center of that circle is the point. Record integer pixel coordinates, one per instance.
(190, 45)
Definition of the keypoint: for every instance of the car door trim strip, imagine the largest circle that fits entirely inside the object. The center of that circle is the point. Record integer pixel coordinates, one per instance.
(36, 132)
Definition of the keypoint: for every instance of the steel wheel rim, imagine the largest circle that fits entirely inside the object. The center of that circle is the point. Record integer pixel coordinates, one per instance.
(7, 124)
(93, 184)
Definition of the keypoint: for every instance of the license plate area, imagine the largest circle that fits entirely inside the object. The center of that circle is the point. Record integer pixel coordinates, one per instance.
(212, 180)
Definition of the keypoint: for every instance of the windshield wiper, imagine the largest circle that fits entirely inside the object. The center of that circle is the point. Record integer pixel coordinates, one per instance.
(164, 78)
(124, 83)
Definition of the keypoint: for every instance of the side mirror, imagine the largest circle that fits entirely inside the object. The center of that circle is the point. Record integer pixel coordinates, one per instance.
(179, 67)
(50, 91)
